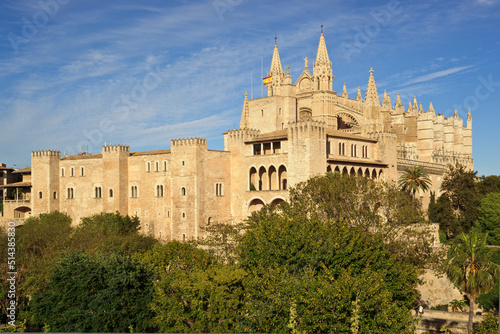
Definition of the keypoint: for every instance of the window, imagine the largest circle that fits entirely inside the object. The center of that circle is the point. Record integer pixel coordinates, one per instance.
(62, 172)
(72, 171)
(159, 191)
(110, 192)
(164, 166)
(168, 214)
(148, 167)
(55, 195)
(257, 149)
(183, 215)
(98, 192)
(262, 112)
(82, 171)
(183, 191)
(183, 163)
(71, 193)
(40, 195)
(218, 190)
(183, 238)
(134, 192)
(157, 166)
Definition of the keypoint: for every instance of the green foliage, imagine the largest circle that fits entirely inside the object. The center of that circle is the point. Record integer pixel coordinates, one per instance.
(489, 325)
(460, 185)
(489, 217)
(442, 237)
(221, 240)
(440, 307)
(111, 232)
(100, 293)
(252, 187)
(323, 266)
(414, 179)
(377, 207)
(469, 267)
(442, 213)
(457, 305)
(489, 184)
(194, 293)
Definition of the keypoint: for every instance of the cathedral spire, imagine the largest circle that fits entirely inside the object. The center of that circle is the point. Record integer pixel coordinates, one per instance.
(358, 96)
(469, 120)
(344, 91)
(371, 96)
(245, 113)
(420, 109)
(322, 67)
(398, 101)
(386, 101)
(431, 109)
(276, 68)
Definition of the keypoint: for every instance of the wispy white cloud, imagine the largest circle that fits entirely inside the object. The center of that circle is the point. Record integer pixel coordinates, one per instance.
(436, 75)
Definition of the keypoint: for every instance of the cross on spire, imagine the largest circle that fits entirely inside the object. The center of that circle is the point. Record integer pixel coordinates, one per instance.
(322, 28)
(275, 39)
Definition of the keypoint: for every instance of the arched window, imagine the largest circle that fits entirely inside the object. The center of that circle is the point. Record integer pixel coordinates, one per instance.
(55, 195)
(110, 192)
(157, 165)
(183, 191)
(40, 195)
(72, 171)
(82, 171)
(149, 167)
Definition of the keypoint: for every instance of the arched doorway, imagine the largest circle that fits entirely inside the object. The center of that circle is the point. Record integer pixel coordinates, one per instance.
(255, 205)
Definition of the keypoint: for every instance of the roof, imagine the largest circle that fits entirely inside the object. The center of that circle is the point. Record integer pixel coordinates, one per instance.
(355, 161)
(17, 185)
(6, 168)
(24, 170)
(151, 152)
(347, 135)
(280, 134)
(82, 155)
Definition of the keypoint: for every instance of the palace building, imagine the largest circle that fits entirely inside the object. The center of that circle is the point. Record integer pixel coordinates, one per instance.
(301, 129)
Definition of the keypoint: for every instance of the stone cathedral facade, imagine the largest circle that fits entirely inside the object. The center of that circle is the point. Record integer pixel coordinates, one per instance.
(301, 129)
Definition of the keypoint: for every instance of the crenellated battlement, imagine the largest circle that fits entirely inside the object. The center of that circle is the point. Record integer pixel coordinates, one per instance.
(242, 134)
(46, 153)
(189, 142)
(115, 148)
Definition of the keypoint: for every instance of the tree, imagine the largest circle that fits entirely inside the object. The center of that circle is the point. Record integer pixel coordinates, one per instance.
(95, 293)
(322, 276)
(441, 212)
(489, 217)
(489, 184)
(414, 179)
(460, 185)
(375, 207)
(469, 267)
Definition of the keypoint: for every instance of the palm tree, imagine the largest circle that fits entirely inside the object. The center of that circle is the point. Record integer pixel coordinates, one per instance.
(413, 179)
(469, 267)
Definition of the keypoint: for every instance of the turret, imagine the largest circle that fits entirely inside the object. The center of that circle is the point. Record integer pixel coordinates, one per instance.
(467, 131)
(400, 108)
(115, 175)
(449, 136)
(425, 135)
(358, 95)
(322, 67)
(386, 102)
(458, 124)
(45, 181)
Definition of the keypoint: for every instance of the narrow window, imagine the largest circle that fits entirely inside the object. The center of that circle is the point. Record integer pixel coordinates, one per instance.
(183, 238)
(183, 163)
(82, 171)
(183, 191)
(110, 192)
(340, 148)
(149, 167)
(161, 191)
(55, 195)
(62, 172)
(183, 215)
(157, 164)
(40, 195)
(168, 214)
(72, 171)
(164, 166)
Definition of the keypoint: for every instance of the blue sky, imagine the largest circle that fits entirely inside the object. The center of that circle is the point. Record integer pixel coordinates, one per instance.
(76, 73)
